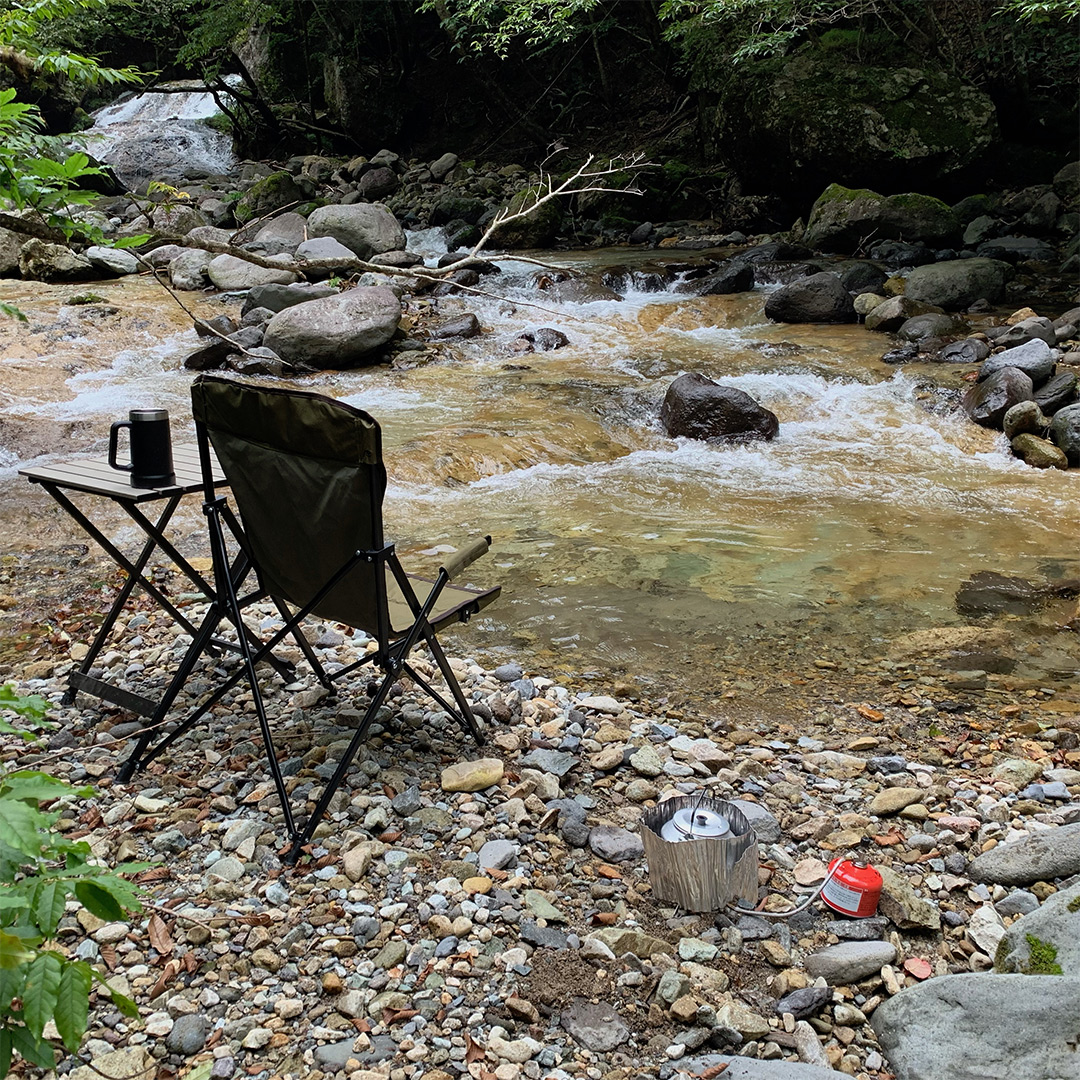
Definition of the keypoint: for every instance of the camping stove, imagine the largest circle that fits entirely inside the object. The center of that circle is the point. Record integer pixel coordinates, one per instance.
(702, 853)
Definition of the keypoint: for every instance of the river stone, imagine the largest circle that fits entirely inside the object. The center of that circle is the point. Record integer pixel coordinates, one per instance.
(765, 825)
(986, 929)
(1065, 432)
(285, 233)
(621, 940)
(931, 325)
(1028, 330)
(188, 1034)
(1052, 932)
(744, 1068)
(1024, 417)
(364, 228)
(277, 298)
(117, 1065)
(441, 166)
(497, 854)
(1015, 249)
(900, 904)
(893, 800)
(1034, 358)
(849, 961)
(988, 401)
(957, 284)
(112, 260)
(615, 844)
(42, 261)
(555, 762)
(466, 325)
(891, 314)
(733, 277)
(924, 1036)
(804, 1003)
(324, 247)
(187, 271)
(695, 407)
(1042, 856)
(232, 274)
(1058, 391)
(969, 351)
(271, 193)
(335, 331)
(819, 298)
(472, 775)
(1039, 453)
(594, 1025)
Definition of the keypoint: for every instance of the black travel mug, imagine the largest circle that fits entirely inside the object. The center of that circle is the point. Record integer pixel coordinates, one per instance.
(151, 448)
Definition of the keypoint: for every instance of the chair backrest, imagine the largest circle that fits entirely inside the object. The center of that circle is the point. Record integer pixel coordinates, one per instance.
(307, 477)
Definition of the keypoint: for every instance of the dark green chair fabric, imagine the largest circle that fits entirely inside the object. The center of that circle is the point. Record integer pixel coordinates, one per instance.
(307, 478)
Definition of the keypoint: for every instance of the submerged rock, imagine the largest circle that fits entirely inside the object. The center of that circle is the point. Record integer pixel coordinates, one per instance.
(819, 298)
(698, 408)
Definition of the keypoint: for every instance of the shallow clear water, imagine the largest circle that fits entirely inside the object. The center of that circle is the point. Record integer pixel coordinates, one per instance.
(620, 549)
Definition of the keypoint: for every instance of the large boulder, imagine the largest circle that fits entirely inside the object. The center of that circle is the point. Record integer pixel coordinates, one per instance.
(695, 407)
(335, 331)
(988, 401)
(1017, 249)
(788, 123)
(843, 218)
(538, 229)
(271, 193)
(278, 297)
(1034, 358)
(957, 284)
(819, 298)
(364, 228)
(233, 274)
(41, 261)
(10, 245)
(187, 271)
(888, 316)
(285, 233)
(924, 1036)
(112, 260)
(1065, 432)
(1046, 942)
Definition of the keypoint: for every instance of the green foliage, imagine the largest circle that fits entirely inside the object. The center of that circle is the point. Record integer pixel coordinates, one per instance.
(40, 871)
(30, 707)
(493, 25)
(1042, 957)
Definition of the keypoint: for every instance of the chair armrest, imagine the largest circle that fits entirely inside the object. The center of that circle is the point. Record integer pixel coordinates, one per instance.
(466, 556)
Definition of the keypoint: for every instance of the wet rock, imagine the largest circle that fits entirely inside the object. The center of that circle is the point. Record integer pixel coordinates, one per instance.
(988, 592)
(1057, 392)
(232, 274)
(115, 261)
(733, 277)
(988, 401)
(1042, 856)
(276, 298)
(595, 1026)
(1035, 359)
(819, 298)
(957, 284)
(695, 407)
(918, 1032)
(1065, 432)
(968, 351)
(463, 326)
(42, 261)
(1024, 417)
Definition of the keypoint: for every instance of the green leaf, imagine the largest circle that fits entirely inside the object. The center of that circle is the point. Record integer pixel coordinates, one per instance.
(201, 1071)
(30, 786)
(50, 895)
(121, 1001)
(98, 901)
(40, 993)
(72, 1003)
(13, 953)
(5, 1051)
(131, 241)
(35, 1050)
(20, 823)
(32, 706)
(12, 312)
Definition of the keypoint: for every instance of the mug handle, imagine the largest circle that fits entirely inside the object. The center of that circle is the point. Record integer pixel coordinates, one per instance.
(114, 433)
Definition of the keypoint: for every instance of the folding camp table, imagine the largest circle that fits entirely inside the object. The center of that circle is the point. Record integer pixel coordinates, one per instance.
(67, 480)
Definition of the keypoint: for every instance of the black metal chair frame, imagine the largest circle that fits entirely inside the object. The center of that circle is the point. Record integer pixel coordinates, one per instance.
(390, 657)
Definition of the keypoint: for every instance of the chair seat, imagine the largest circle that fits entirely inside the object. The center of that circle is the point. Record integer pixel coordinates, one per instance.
(454, 602)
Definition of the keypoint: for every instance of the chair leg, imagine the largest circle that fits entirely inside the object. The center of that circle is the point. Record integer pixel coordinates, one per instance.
(342, 768)
(464, 712)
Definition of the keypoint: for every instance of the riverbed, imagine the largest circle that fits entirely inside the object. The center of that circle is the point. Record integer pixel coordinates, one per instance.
(681, 568)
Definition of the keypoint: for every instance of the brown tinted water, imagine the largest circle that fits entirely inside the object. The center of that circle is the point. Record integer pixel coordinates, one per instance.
(622, 552)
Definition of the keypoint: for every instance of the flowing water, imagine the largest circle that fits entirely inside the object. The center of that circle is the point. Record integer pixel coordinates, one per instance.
(621, 551)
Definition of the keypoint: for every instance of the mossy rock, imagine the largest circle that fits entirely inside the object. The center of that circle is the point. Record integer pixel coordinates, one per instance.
(537, 230)
(1046, 942)
(268, 194)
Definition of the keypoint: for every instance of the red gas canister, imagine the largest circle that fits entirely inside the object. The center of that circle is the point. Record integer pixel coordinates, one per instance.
(853, 889)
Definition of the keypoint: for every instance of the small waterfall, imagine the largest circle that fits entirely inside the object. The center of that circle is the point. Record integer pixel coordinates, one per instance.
(161, 136)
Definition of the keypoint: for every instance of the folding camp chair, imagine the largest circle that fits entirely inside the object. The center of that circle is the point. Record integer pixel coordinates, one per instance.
(307, 476)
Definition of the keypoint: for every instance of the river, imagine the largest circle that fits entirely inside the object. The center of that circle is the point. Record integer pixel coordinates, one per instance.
(625, 556)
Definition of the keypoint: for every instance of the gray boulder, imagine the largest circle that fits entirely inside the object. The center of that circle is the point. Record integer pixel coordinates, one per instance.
(957, 284)
(232, 274)
(733, 277)
(931, 325)
(1065, 432)
(695, 407)
(1027, 330)
(112, 260)
(988, 401)
(1057, 392)
(969, 351)
(161, 256)
(366, 229)
(849, 961)
(440, 167)
(42, 261)
(843, 217)
(209, 234)
(888, 316)
(1016, 249)
(1045, 942)
(324, 247)
(744, 1068)
(1041, 856)
(335, 331)
(187, 271)
(819, 298)
(1024, 1032)
(278, 297)
(378, 183)
(10, 243)
(1034, 358)
(271, 193)
(1026, 417)
(284, 233)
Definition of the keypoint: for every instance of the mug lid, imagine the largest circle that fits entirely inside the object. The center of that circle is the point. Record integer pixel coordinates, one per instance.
(150, 414)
